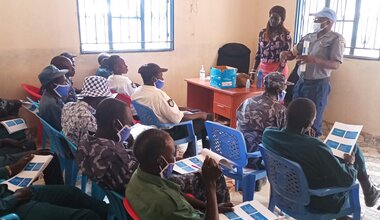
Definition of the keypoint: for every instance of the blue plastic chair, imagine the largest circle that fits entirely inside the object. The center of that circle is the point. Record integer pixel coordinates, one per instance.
(290, 190)
(147, 117)
(68, 165)
(230, 143)
(116, 210)
(96, 191)
(11, 216)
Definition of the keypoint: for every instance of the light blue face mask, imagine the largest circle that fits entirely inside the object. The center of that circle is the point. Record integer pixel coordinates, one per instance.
(62, 90)
(281, 96)
(124, 132)
(167, 171)
(159, 84)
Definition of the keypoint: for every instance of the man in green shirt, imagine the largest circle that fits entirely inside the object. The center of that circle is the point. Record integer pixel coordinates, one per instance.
(322, 169)
(153, 196)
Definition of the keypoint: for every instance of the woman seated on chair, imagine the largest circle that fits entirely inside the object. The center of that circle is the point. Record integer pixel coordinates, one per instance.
(151, 193)
(108, 159)
(322, 169)
(47, 202)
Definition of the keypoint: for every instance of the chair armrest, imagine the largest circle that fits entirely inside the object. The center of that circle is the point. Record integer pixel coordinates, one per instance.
(256, 154)
(330, 191)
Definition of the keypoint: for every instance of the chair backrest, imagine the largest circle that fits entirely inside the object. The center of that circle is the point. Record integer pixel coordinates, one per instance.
(124, 98)
(130, 210)
(55, 138)
(236, 55)
(116, 205)
(11, 216)
(227, 142)
(146, 115)
(32, 90)
(288, 182)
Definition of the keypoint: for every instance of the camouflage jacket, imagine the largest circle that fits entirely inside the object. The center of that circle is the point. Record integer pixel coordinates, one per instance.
(106, 162)
(257, 113)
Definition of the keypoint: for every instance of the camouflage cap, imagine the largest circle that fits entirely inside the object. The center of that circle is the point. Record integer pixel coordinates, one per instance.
(276, 80)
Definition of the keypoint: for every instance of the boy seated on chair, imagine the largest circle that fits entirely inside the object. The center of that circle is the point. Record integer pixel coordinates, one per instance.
(47, 202)
(153, 196)
(107, 158)
(322, 169)
(78, 117)
(152, 96)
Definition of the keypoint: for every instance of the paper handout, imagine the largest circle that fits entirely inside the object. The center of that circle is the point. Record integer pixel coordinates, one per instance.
(30, 172)
(342, 138)
(14, 125)
(249, 210)
(194, 164)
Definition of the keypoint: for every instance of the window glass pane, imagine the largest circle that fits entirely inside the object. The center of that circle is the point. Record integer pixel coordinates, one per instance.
(128, 30)
(364, 29)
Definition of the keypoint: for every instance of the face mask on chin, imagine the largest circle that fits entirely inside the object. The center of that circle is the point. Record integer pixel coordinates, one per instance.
(124, 132)
(281, 96)
(159, 84)
(167, 171)
(62, 90)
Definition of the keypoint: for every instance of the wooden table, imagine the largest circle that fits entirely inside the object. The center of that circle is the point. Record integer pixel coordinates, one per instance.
(221, 102)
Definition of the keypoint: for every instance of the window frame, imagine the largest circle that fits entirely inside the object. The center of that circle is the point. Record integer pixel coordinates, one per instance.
(109, 19)
(352, 47)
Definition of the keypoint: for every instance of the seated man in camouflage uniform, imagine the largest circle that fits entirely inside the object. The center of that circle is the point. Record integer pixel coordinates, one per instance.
(105, 159)
(259, 112)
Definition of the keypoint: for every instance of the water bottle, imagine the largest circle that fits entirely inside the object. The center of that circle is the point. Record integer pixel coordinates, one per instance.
(248, 84)
(259, 79)
(202, 73)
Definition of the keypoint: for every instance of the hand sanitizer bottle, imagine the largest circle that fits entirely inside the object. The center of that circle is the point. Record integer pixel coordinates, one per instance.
(202, 73)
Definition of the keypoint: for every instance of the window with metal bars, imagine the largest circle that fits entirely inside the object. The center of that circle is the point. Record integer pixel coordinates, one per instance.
(125, 25)
(357, 20)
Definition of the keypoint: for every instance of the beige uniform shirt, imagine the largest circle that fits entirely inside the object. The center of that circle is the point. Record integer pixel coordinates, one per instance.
(162, 105)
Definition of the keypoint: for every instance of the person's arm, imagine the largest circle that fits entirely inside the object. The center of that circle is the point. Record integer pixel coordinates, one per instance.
(286, 47)
(210, 173)
(258, 52)
(338, 174)
(328, 64)
(197, 115)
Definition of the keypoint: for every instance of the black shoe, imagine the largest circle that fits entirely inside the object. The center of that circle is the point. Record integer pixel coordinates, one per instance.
(260, 183)
(371, 194)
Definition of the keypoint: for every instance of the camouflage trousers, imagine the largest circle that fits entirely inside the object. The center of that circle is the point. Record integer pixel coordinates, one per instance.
(193, 183)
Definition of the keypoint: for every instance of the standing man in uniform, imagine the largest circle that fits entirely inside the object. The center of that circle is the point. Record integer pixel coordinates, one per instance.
(325, 53)
(166, 110)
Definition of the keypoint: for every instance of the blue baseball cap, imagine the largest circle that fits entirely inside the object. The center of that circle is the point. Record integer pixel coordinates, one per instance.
(50, 73)
(325, 13)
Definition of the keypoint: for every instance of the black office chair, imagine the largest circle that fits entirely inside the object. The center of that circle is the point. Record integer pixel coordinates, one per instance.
(235, 55)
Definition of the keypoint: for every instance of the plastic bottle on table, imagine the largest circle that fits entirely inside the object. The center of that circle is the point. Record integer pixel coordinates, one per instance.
(248, 84)
(202, 73)
(259, 79)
